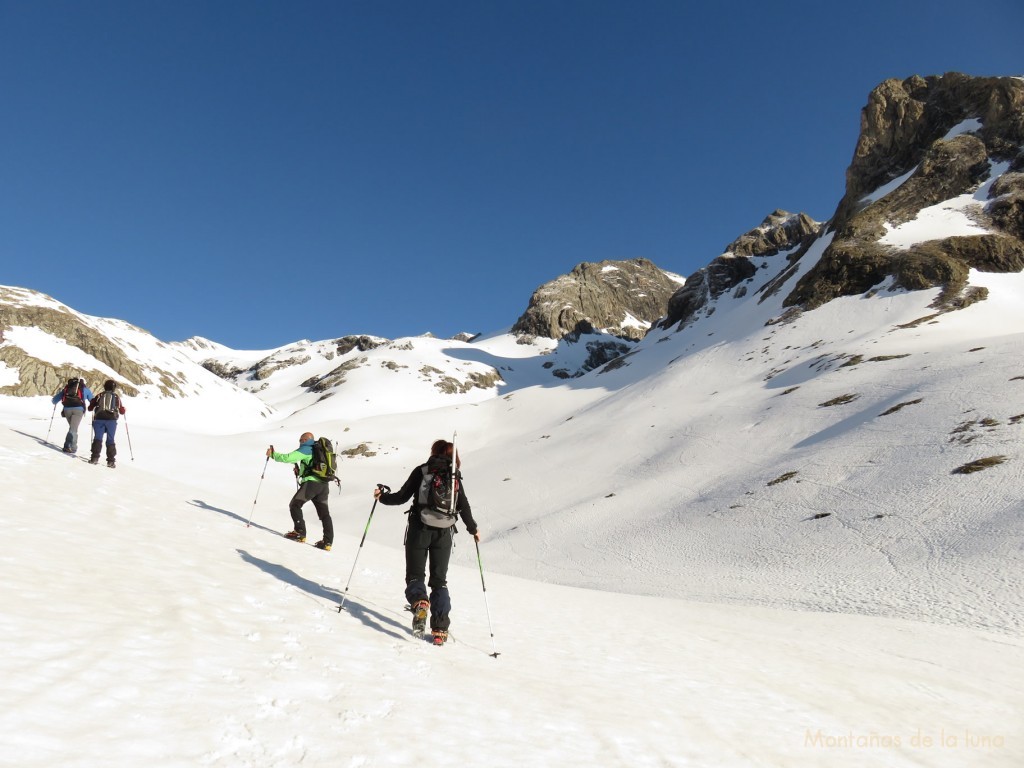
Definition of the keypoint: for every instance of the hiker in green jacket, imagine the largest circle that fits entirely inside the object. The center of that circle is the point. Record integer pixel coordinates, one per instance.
(311, 488)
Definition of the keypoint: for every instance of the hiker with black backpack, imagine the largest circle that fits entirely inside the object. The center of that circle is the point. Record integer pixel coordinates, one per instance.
(73, 396)
(438, 500)
(106, 407)
(314, 462)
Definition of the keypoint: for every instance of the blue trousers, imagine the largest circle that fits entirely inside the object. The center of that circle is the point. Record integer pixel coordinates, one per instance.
(104, 428)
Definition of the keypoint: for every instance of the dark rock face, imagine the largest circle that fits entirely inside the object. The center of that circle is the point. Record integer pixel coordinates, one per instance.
(363, 343)
(780, 231)
(221, 370)
(904, 128)
(599, 296)
(1007, 206)
(903, 119)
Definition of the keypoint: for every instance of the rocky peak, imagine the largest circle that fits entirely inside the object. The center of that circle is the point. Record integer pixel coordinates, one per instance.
(947, 136)
(903, 120)
(622, 298)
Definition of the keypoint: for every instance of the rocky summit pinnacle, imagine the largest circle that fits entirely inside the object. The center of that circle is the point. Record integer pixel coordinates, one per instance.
(925, 141)
(621, 298)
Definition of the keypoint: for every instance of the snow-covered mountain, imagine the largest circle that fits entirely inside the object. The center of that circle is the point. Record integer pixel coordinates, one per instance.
(43, 342)
(826, 420)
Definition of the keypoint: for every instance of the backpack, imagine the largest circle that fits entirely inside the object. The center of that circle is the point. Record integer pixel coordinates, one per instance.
(437, 489)
(107, 405)
(73, 395)
(323, 465)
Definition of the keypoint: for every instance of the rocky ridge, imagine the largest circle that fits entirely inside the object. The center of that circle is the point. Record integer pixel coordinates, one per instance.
(102, 355)
(780, 232)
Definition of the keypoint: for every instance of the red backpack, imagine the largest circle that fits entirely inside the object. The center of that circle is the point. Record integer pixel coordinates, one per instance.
(73, 395)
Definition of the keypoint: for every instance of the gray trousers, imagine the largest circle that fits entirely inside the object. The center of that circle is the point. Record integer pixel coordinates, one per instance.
(74, 418)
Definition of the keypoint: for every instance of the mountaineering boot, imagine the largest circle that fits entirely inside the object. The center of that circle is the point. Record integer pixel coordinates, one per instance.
(94, 461)
(94, 455)
(112, 464)
(440, 636)
(419, 617)
(323, 545)
(295, 536)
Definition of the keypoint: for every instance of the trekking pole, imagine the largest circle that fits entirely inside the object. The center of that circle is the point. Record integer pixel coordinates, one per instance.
(486, 609)
(262, 475)
(344, 597)
(129, 434)
(51, 423)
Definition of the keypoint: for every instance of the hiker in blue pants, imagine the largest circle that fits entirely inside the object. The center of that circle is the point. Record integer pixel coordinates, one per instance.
(106, 407)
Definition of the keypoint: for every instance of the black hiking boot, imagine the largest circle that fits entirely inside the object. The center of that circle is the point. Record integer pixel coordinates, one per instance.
(295, 536)
(440, 636)
(325, 546)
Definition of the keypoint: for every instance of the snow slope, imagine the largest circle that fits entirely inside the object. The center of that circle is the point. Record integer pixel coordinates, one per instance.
(145, 623)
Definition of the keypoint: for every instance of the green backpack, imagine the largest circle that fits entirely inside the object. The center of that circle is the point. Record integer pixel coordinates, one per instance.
(323, 465)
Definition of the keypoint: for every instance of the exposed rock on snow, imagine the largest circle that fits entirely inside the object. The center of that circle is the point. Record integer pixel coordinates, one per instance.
(609, 296)
(780, 231)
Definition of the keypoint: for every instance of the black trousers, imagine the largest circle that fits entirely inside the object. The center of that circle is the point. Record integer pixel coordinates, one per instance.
(317, 492)
(423, 544)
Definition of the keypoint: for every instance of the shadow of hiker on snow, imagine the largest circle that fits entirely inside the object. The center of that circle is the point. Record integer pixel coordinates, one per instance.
(41, 441)
(370, 618)
(203, 505)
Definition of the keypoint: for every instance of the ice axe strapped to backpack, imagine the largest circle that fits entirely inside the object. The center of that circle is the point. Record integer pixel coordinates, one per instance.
(438, 493)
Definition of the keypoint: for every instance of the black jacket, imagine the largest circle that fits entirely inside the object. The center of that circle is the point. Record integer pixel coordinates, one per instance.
(411, 490)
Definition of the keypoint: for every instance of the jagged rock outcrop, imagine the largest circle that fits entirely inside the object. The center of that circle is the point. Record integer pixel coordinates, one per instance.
(363, 343)
(334, 377)
(1007, 206)
(609, 296)
(223, 370)
(906, 127)
(904, 118)
(780, 231)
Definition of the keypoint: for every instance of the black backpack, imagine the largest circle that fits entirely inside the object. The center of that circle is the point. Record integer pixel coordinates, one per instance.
(437, 489)
(73, 395)
(107, 405)
(323, 465)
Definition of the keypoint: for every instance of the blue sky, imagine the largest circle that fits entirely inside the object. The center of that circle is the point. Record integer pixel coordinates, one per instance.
(261, 172)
